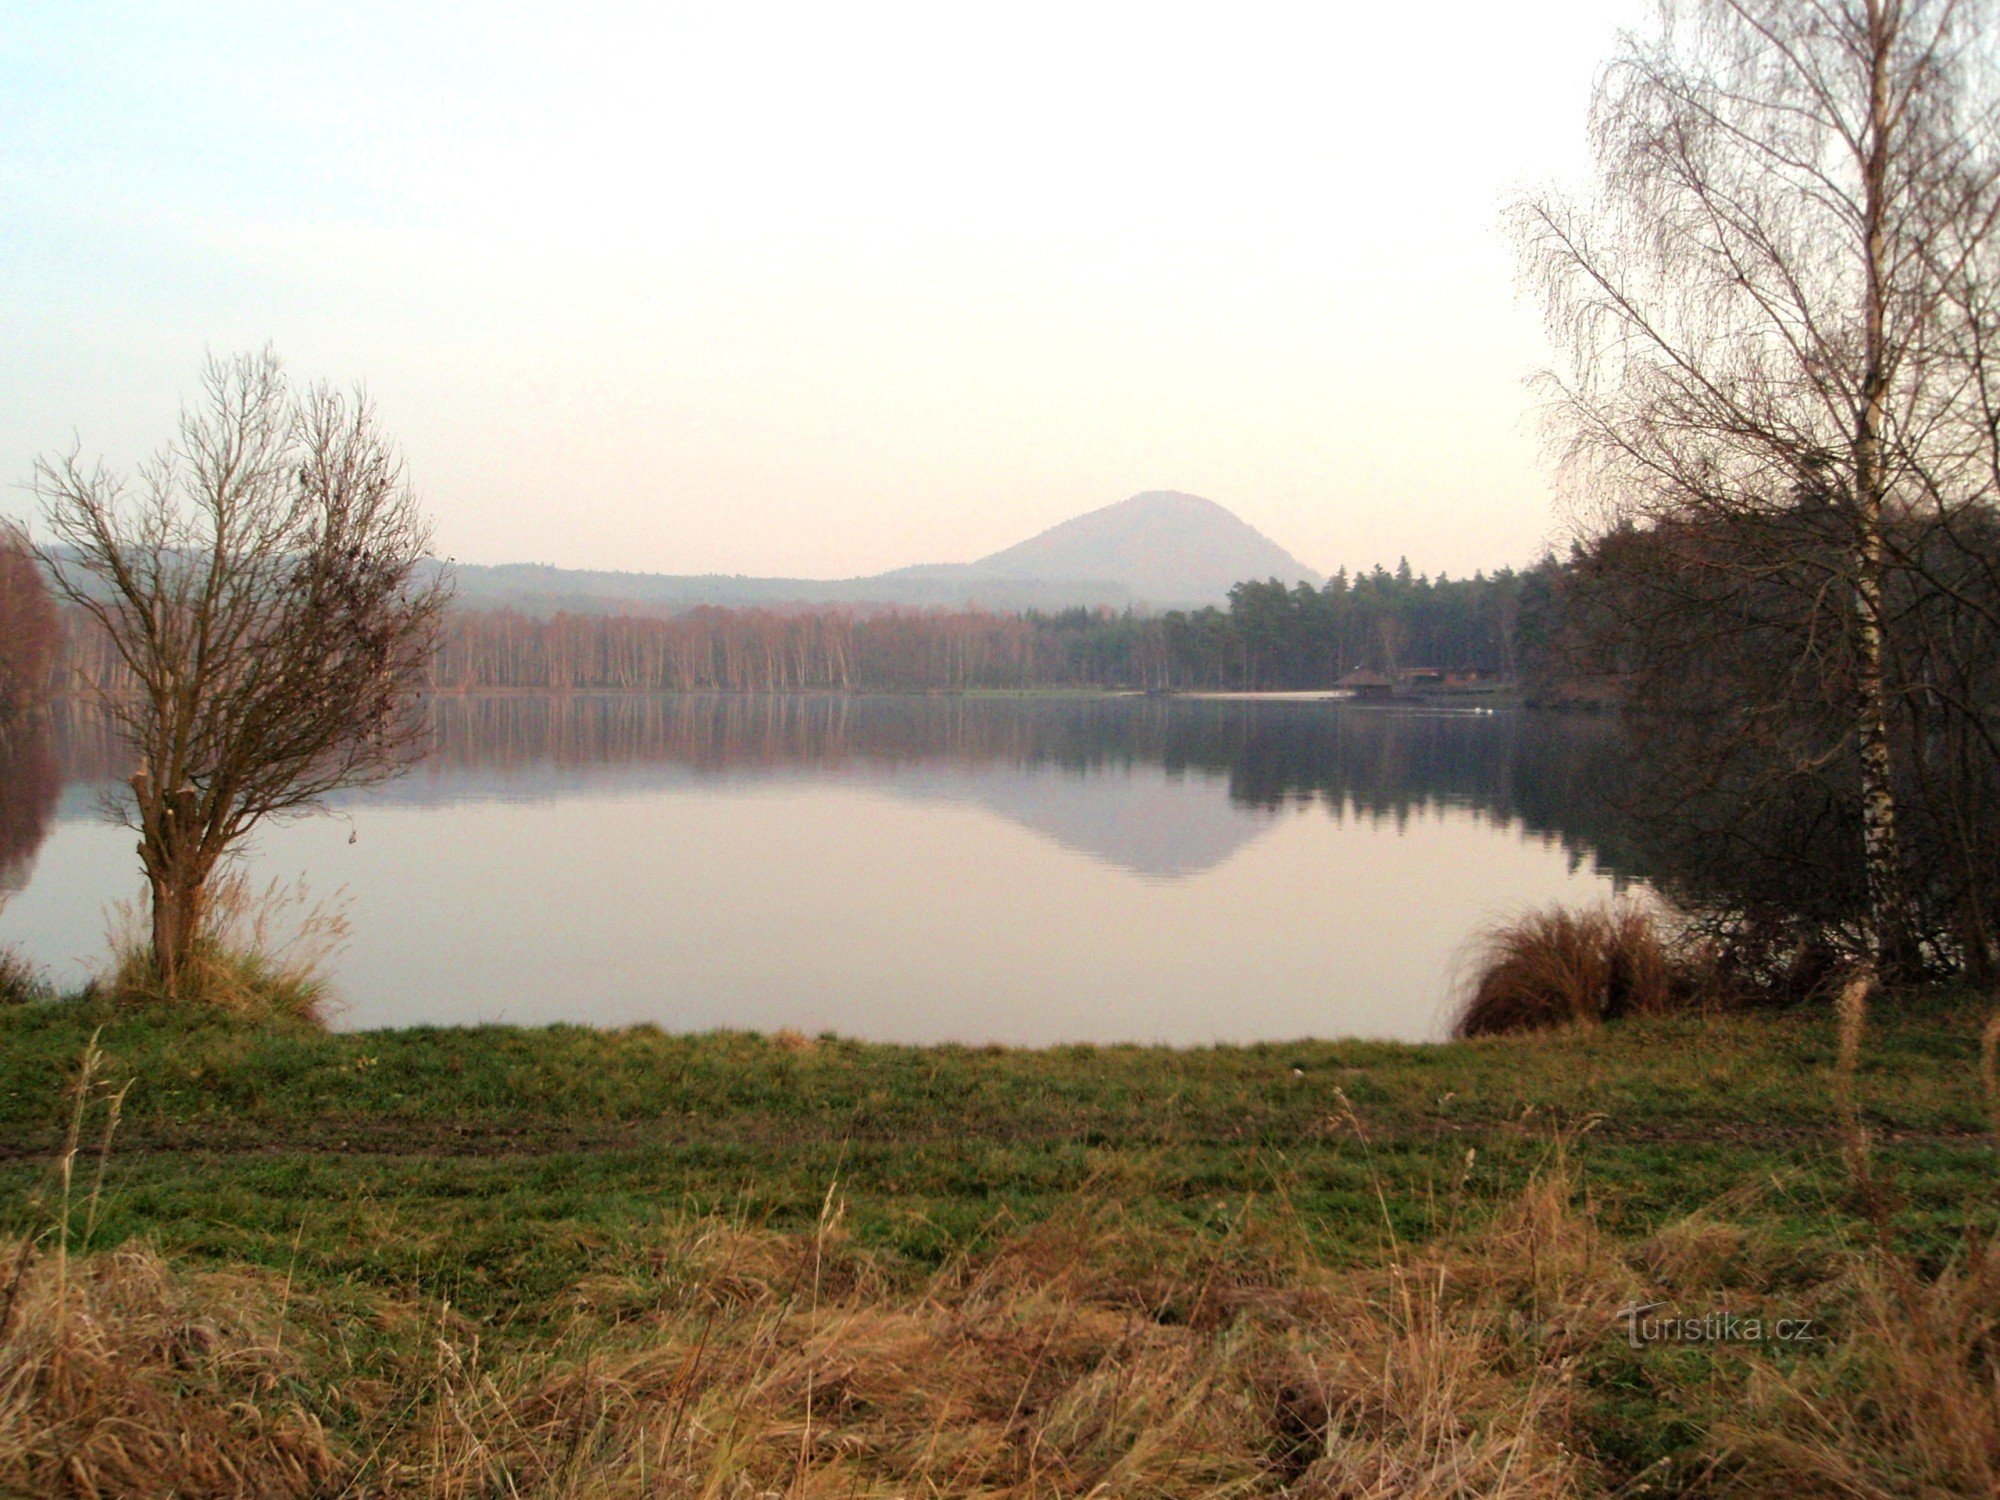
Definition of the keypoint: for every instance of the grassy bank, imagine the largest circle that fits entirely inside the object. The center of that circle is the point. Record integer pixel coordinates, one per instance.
(569, 1262)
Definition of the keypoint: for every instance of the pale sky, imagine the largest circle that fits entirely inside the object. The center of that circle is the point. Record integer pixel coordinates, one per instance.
(817, 290)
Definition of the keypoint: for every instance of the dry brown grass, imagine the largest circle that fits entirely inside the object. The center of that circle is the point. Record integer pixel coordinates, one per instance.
(118, 1378)
(1909, 1406)
(1563, 967)
(1906, 1408)
(21, 983)
(1076, 1357)
(1098, 1352)
(1088, 1354)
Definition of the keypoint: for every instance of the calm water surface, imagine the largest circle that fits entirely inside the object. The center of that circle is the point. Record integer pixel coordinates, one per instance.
(1022, 871)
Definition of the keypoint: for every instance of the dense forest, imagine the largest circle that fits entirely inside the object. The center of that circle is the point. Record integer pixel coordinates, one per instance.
(1270, 636)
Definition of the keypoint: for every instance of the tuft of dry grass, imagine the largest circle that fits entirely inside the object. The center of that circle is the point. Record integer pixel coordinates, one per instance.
(1989, 1068)
(1851, 1012)
(263, 953)
(1563, 967)
(21, 983)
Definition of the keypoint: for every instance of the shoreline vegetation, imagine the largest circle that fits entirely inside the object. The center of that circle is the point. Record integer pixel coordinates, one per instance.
(261, 1258)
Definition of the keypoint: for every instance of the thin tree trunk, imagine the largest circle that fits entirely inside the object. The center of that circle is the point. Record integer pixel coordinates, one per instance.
(1888, 915)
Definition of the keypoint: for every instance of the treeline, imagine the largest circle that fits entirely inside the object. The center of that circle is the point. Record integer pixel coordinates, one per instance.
(1270, 636)
(1301, 637)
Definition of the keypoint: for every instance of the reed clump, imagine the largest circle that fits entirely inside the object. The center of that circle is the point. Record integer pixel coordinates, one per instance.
(1565, 967)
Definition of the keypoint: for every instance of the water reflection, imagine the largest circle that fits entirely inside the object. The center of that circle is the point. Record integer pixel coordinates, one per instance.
(1023, 870)
(30, 782)
(1546, 773)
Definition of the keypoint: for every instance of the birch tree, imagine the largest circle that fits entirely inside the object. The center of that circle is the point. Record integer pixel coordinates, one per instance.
(1767, 305)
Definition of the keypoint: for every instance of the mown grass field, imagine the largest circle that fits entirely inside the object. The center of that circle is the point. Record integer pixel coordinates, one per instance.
(561, 1195)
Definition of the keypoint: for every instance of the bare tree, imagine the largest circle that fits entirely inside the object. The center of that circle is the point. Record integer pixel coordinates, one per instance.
(264, 582)
(1768, 304)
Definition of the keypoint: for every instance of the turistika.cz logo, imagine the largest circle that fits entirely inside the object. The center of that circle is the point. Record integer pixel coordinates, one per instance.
(1645, 1324)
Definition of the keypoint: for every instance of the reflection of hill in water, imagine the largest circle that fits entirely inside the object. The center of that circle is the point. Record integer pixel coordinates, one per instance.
(1159, 826)
(1539, 770)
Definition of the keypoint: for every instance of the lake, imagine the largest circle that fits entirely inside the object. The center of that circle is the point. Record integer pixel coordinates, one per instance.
(1015, 870)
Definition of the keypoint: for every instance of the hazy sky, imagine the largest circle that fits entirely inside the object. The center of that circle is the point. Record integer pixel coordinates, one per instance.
(815, 290)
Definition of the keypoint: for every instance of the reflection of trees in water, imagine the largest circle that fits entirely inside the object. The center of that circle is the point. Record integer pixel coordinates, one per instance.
(30, 780)
(1572, 778)
(1554, 774)
(88, 743)
(1544, 771)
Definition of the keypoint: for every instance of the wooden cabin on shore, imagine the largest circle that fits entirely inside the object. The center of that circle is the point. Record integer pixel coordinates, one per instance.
(1366, 684)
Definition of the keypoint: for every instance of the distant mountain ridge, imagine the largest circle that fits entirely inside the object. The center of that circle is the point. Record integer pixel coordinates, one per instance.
(1158, 550)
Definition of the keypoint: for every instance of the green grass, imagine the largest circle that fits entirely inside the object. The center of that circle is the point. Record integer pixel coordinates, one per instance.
(558, 1203)
(508, 1164)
